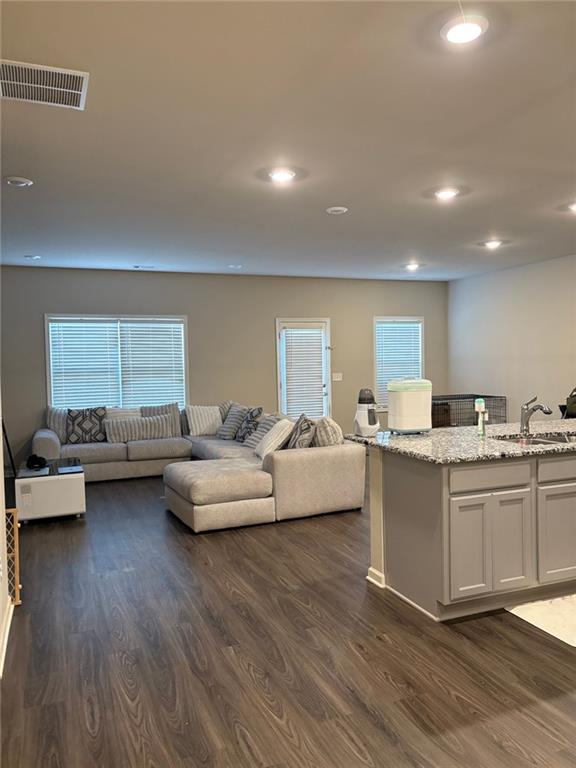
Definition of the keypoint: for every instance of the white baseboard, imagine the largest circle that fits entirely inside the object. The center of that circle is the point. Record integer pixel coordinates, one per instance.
(4, 632)
(376, 577)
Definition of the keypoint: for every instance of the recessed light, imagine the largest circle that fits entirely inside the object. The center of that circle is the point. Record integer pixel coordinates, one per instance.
(20, 182)
(446, 194)
(412, 267)
(33, 258)
(337, 210)
(493, 244)
(572, 207)
(234, 266)
(464, 29)
(282, 175)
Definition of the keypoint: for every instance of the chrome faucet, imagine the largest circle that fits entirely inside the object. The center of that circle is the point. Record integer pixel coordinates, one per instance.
(526, 413)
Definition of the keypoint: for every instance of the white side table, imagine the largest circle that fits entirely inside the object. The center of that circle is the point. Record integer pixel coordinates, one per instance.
(52, 493)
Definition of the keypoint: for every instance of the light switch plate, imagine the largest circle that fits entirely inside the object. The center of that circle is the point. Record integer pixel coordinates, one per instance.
(337, 377)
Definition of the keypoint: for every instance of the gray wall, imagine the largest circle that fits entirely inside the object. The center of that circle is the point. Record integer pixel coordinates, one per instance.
(231, 328)
(513, 332)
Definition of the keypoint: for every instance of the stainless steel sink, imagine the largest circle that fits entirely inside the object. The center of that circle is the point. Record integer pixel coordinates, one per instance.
(552, 438)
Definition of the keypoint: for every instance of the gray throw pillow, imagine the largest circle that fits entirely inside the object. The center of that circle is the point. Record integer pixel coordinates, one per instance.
(85, 425)
(159, 410)
(328, 432)
(232, 422)
(264, 425)
(303, 434)
(249, 424)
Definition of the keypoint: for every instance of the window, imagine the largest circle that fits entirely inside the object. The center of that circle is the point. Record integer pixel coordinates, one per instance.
(398, 345)
(115, 361)
(303, 367)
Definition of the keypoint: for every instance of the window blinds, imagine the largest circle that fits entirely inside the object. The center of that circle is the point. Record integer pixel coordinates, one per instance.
(398, 353)
(303, 367)
(115, 361)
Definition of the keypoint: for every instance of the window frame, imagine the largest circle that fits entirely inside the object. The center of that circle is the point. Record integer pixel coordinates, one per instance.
(51, 316)
(383, 407)
(304, 321)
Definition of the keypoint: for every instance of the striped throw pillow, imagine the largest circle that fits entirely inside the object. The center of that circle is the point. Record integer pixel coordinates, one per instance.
(172, 409)
(264, 425)
(328, 432)
(203, 419)
(144, 428)
(276, 438)
(235, 416)
(225, 407)
(123, 413)
(56, 421)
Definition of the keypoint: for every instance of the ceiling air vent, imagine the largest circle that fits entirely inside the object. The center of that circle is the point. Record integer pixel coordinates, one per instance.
(43, 85)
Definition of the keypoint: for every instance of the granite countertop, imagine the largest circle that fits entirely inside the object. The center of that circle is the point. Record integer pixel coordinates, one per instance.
(452, 445)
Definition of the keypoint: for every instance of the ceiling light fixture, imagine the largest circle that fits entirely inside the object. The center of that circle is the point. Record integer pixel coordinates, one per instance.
(412, 267)
(33, 258)
(446, 194)
(464, 29)
(282, 175)
(337, 210)
(20, 182)
(572, 207)
(493, 244)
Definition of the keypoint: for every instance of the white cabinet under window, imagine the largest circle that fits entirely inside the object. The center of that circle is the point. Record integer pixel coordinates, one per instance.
(115, 361)
(398, 352)
(303, 351)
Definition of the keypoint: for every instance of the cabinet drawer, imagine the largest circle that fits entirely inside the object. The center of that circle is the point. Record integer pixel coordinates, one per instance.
(499, 475)
(556, 469)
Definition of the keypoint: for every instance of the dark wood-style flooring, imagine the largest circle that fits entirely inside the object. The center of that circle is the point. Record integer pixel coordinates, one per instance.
(140, 644)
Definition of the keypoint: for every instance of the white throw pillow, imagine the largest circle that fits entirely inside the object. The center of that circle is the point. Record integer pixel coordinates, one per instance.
(203, 419)
(275, 438)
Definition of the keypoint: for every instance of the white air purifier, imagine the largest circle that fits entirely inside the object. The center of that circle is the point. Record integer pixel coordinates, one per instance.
(410, 406)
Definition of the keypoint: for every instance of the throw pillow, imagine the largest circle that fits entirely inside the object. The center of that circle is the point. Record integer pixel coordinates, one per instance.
(225, 407)
(303, 434)
(328, 432)
(142, 428)
(203, 419)
(123, 413)
(56, 419)
(85, 425)
(159, 410)
(276, 438)
(249, 424)
(264, 426)
(235, 417)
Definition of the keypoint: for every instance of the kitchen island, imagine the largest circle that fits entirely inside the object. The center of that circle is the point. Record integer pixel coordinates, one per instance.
(461, 524)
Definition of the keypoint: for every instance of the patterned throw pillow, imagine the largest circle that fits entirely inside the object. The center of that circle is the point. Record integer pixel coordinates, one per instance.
(85, 425)
(264, 426)
(303, 434)
(173, 409)
(277, 437)
(232, 422)
(249, 424)
(203, 419)
(328, 432)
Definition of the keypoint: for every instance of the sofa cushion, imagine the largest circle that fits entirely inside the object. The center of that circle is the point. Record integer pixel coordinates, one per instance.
(213, 482)
(165, 448)
(95, 453)
(231, 423)
(214, 448)
(85, 425)
(203, 419)
(249, 424)
(173, 409)
(264, 425)
(142, 428)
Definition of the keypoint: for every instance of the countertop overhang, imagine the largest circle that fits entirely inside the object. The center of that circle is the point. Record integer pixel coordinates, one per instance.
(453, 445)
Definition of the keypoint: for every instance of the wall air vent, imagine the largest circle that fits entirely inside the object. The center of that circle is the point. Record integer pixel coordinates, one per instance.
(43, 85)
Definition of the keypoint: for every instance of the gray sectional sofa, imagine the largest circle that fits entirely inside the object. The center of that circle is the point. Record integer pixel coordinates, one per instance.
(227, 484)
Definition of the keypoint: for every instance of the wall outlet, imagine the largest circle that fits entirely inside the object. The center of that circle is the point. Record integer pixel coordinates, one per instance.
(337, 377)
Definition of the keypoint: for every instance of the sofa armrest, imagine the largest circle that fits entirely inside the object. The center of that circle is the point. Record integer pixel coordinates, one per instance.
(46, 443)
(311, 481)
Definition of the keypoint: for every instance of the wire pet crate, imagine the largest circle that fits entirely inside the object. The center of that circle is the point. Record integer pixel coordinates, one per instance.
(458, 410)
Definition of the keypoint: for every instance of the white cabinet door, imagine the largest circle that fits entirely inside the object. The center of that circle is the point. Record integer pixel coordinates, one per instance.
(512, 540)
(470, 546)
(557, 533)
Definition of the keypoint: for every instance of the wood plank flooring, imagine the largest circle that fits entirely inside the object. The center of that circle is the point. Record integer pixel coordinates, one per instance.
(140, 644)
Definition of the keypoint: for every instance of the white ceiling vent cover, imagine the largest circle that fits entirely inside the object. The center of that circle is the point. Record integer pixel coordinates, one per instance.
(43, 85)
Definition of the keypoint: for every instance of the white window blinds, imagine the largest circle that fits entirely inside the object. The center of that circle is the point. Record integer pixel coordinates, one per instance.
(303, 368)
(398, 351)
(115, 361)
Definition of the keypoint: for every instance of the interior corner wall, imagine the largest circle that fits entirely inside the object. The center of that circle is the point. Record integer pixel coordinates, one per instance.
(513, 332)
(231, 330)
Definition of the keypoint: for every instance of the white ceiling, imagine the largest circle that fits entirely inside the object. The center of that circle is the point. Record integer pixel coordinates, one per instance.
(188, 101)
